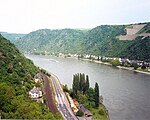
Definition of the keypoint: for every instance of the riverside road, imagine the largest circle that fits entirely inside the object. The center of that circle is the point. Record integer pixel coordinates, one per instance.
(62, 102)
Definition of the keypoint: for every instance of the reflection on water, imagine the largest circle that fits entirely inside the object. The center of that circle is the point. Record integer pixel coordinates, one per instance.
(126, 94)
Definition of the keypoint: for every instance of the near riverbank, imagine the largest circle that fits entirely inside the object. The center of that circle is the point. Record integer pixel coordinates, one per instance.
(100, 113)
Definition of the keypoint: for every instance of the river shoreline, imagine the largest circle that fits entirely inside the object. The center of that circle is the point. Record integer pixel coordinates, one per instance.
(106, 110)
(119, 67)
(120, 88)
(106, 63)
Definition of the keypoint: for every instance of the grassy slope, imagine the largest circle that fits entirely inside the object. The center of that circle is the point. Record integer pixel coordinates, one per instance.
(100, 113)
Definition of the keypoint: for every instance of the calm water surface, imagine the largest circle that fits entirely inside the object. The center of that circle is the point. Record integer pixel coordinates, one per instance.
(126, 94)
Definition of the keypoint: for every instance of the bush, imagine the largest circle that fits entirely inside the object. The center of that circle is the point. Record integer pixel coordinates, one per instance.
(135, 66)
(65, 88)
(79, 113)
(101, 112)
(115, 62)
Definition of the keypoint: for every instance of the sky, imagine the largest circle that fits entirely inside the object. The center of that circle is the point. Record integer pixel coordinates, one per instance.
(24, 16)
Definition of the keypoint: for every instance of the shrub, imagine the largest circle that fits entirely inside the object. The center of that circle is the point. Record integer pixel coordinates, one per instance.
(115, 62)
(79, 113)
(101, 112)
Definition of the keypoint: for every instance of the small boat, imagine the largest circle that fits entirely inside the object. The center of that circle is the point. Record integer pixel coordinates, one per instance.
(54, 60)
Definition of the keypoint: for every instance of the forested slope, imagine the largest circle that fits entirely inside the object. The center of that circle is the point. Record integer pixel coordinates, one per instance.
(102, 40)
(16, 79)
(65, 40)
(139, 50)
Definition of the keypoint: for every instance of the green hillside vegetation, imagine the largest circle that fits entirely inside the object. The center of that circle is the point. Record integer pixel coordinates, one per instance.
(146, 29)
(140, 49)
(88, 96)
(12, 36)
(82, 91)
(102, 40)
(65, 40)
(16, 79)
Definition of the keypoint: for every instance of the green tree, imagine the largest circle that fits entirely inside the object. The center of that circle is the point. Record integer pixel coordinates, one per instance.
(38, 84)
(96, 90)
(82, 82)
(115, 62)
(74, 87)
(91, 94)
(28, 77)
(77, 79)
(65, 88)
(135, 65)
(86, 85)
(7, 93)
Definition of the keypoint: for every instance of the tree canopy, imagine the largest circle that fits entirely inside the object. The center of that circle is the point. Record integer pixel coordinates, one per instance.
(82, 91)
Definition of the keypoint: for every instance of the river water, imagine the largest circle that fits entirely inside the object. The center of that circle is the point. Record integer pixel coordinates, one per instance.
(126, 94)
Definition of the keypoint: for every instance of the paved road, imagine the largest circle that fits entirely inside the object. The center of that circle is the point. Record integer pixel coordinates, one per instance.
(62, 102)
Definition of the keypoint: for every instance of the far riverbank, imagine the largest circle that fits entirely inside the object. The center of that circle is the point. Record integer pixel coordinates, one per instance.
(120, 67)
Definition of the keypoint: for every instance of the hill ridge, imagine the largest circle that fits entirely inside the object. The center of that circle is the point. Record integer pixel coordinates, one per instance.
(102, 40)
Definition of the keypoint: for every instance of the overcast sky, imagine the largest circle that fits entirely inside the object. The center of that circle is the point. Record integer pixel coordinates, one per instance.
(24, 16)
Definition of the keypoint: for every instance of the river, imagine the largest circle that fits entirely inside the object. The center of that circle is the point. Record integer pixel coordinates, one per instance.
(126, 94)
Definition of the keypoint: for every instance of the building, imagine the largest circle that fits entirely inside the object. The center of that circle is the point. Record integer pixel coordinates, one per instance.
(36, 80)
(37, 77)
(72, 104)
(76, 103)
(35, 93)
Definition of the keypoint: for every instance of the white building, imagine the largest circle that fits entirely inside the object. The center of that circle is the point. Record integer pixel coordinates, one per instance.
(35, 93)
(36, 80)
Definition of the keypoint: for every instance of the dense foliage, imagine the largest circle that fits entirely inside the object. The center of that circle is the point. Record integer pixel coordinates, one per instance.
(65, 40)
(146, 28)
(15, 68)
(140, 49)
(79, 113)
(13, 37)
(102, 40)
(96, 90)
(80, 83)
(89, 99)
(16, 79)
(82, 91)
